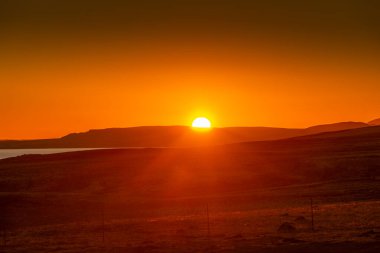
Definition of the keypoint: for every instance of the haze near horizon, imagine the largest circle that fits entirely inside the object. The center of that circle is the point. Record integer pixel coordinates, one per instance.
(70, 66)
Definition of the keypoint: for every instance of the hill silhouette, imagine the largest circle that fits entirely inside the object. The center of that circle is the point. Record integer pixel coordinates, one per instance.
(374, 122)
(335, 127)
(172, 136)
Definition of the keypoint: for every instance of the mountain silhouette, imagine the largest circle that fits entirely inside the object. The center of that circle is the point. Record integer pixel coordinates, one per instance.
(375, 122)
(172, 136)
(335, 127)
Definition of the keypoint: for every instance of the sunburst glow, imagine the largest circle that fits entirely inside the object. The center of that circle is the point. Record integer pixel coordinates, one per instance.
(201, 122)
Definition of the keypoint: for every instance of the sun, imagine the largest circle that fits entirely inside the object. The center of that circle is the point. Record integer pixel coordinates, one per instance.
(201, 122)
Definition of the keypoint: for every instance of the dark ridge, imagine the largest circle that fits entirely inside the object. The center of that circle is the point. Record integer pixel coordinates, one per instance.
(171, 136)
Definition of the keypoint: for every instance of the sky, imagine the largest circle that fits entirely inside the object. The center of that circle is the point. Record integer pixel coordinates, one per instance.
(69, 66)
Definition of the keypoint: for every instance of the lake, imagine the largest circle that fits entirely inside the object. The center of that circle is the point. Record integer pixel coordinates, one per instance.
(5, 153)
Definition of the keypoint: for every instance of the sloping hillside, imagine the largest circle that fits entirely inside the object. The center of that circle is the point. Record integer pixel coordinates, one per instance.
(375, 122)
(162, 172)
(68, 187)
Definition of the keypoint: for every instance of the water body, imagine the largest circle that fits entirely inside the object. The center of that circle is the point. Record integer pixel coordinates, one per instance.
(5, 153)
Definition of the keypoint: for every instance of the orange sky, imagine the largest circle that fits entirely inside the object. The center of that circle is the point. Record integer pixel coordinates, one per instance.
(53, 84)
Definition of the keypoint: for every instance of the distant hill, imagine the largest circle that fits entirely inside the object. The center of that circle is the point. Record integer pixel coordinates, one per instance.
(171, 136)
(350, 140)
(375, 122)
(335, 127)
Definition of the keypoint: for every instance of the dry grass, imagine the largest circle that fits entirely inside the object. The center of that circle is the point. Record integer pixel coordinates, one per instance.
(345, 226)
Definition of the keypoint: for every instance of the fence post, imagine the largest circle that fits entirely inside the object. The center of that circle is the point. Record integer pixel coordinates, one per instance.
(4, 237)
(312, 214)
(103, 236)
(208, 223)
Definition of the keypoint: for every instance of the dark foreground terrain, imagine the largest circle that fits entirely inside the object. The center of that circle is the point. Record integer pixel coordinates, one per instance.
(247, 197)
